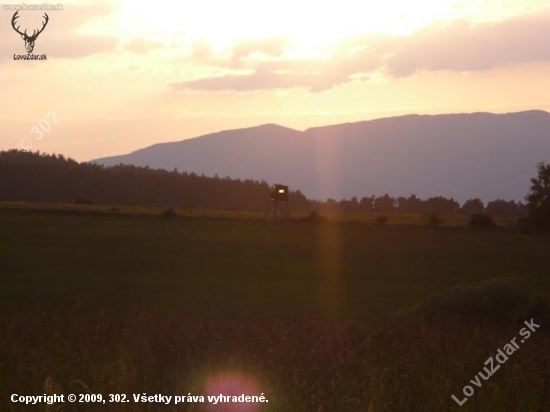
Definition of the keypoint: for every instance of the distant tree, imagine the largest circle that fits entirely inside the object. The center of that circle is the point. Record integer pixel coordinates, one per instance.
(297, 199)
(384, 203)
(354, 204)
(503, 208)
(349, 206)
(472, 206)
(538, 198)
(35, 177)
(441, 205)
(412, 204)
(522, 210)
(366, 204)
(332, 205)
(401, 204)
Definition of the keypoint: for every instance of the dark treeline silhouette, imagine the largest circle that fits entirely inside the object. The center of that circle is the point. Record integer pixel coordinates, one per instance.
(413, 204)
(37, 177)
(538, 201)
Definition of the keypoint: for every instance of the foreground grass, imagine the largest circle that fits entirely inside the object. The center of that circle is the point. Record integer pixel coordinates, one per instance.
(396, 366)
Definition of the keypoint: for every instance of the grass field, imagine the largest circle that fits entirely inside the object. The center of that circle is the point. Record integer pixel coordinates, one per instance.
(242, 268)
(92, 300)
(144, 211)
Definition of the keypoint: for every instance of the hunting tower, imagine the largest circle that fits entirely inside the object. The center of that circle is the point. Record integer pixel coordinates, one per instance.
(279, 194)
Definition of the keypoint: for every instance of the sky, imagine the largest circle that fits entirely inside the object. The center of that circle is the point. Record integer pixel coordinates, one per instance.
(123, 75)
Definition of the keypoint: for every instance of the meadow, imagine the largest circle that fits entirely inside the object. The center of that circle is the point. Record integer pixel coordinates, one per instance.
(317, 314)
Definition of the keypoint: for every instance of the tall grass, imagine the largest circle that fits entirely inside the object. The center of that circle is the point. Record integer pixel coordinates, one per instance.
(397, 365)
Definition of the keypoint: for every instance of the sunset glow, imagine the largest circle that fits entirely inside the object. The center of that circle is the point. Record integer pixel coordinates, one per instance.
(292, 205)
(306, 23)
(165, 71)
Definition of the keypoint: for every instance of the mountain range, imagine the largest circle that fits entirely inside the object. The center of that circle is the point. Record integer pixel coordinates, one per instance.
(477, 155)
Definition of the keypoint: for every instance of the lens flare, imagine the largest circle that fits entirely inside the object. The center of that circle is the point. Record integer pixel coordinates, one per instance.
(233, 384)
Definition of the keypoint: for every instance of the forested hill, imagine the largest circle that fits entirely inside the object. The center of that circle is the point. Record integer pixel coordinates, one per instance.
(35, 177)
(464, 156)
(38, 177)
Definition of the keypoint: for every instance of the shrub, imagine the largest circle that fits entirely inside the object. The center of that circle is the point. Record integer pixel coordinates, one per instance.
(435, 220)
(381, 220)
(314, 217)
(169, 213)
(525, 225)
(481, 220)
(494, 300)
(84, 201)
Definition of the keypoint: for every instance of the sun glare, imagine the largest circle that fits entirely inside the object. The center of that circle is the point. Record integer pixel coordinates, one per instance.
(307, 24)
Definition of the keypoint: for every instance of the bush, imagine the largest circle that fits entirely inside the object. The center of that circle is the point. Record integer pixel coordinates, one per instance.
(481, 220)
(525, 225)
(435, 220)
(494, 300)
(169, 213)
(84, 201)
(313, 216)
(381, 220)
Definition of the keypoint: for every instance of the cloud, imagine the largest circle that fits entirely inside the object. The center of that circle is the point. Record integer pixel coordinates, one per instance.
(241, 54)
(474, 47)
(260, 79)
(458, 46)
(139, 45)
(202, 52)
(272, 47)
(316, 74)
(80, 47)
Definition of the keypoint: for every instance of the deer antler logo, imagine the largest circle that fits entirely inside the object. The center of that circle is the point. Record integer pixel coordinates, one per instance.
(29, 40)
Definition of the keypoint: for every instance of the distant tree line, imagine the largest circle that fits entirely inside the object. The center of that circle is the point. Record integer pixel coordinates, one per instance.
(37, 177)
(433, 205)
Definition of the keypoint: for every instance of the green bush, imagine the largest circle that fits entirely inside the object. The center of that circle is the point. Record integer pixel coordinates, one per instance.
(494, 300)
(84, 201)
(525, 225)
(481, 220)
(435, 220)
(313, 217)
(169, 213)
